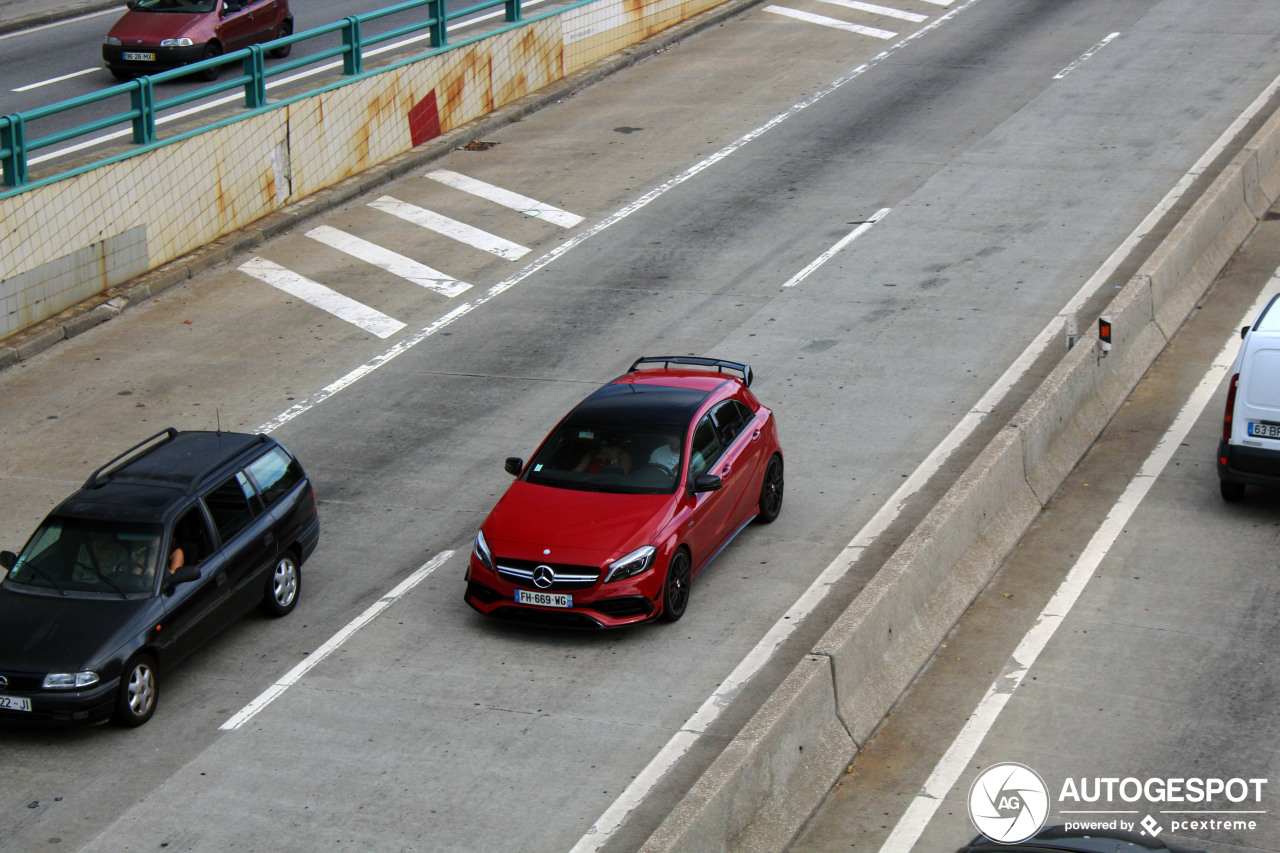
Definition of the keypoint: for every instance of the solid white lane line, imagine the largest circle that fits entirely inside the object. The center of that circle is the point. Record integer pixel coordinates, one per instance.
(313, 293)
(960, 753)
(883, 11)
(266, 697)
(52, 80)
(1085, 56)
(834, 23)
(528, 206)
(452, 228)
(396, 264)
(831, 253)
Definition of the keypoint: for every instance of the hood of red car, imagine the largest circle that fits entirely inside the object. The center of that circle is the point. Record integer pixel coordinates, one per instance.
(149, 28)
(564, 521)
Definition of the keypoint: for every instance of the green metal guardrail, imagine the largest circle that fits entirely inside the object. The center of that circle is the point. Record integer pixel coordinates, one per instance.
(15, 148)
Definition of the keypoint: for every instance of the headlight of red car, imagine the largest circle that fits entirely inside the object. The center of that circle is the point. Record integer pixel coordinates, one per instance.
(482, 552)
(631, 565)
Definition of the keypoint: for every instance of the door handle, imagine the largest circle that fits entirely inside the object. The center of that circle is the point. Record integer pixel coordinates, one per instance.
(755, 435)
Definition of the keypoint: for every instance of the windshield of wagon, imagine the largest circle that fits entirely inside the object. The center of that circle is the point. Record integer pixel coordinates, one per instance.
(595, 458)
(189, 7)
(75, 555)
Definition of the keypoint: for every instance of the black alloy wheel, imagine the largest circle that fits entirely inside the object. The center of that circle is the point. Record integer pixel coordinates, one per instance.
(675, 587)
(771, 491)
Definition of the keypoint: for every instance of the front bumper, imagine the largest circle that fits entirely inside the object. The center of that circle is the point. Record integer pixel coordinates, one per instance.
(113, 56)
(615, 605)
(64, 707)
(1249, 465)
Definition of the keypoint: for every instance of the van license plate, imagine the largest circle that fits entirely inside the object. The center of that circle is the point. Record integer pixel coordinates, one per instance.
(1264, 430)
(130, 56)
(15, 703)
(544, 599)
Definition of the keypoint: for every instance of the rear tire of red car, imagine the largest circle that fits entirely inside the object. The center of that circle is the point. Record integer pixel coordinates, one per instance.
(211, 51)
(1231, 492)
(283, 585)
(675, 587)
(286, 29)
(139, 692)
(771, 491)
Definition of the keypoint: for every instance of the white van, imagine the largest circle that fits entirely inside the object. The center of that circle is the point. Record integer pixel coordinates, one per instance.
(1249, 452)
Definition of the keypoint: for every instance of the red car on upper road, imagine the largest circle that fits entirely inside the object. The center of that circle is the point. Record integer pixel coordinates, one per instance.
(631, 496)
(158, 34)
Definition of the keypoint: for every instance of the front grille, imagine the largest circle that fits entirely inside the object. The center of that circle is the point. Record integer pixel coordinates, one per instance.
(520, 573)
(22, 682)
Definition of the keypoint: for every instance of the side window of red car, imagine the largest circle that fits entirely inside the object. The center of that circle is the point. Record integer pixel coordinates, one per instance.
(705, 448)
(730, 418)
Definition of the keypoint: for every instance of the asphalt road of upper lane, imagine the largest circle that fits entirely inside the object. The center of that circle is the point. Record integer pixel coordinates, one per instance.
(707, 179)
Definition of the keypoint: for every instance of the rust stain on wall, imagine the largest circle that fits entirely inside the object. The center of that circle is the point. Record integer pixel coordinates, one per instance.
(453, 110)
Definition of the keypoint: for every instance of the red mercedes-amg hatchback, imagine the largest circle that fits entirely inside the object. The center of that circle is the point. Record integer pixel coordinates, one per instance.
(631, 496)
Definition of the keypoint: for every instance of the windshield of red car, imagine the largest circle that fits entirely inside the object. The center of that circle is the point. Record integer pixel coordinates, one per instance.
(77, 555)
(189, 7)
(591, 457)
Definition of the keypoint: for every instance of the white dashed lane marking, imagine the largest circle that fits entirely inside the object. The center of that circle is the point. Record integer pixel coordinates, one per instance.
(392, 262)
(506, 198)
(452, 228)
(313, 293)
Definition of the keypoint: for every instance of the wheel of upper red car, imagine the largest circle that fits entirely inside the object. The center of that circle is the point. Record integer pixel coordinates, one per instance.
(771, 491)
(675, 588)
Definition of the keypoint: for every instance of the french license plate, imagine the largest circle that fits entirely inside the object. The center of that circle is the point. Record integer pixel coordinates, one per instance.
(1264, 430)
(544, 599)
(15, 703)
(134, 56)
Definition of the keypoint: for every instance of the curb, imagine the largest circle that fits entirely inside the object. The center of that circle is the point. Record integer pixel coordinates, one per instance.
(760, 791)
(86, 314)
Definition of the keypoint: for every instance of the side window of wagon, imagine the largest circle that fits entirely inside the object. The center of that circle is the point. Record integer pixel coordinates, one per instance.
(275, 473)
(232, 505)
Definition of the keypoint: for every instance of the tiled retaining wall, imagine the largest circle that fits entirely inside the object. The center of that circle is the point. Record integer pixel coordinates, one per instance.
(67, 242)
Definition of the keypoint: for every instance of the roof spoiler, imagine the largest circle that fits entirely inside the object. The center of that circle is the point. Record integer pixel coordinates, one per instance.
(168, 435)
(695, 361)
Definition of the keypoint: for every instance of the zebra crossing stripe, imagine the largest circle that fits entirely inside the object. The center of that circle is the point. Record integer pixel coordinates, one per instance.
(883, 11)
(529, 207)
(830, 22)
(394, 263)
(313, 293)
(459, 231)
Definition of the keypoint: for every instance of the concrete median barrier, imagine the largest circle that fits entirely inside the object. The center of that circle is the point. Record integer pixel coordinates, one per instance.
(756, 795)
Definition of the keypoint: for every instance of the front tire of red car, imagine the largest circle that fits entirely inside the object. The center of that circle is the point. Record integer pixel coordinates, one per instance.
(675, 586)
(211, 51)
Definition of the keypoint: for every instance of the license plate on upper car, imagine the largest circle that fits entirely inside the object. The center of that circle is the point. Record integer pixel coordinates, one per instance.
(1264, 430)
(15, 703)
(134, 56)
(544, 599)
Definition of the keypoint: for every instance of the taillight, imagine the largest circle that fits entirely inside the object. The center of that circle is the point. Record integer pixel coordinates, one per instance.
(1231, 407)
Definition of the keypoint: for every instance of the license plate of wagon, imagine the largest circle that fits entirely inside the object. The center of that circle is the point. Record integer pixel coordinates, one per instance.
(544, 599)
(15, 703)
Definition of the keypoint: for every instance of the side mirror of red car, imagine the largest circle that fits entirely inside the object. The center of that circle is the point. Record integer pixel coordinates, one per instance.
(8, 560)
(706, 483)
(513, 466)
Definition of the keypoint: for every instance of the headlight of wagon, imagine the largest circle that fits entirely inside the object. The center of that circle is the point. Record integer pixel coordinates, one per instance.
(69, 680)
(631, 565)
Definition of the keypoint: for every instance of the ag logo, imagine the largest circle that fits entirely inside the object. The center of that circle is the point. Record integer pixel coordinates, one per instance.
(1008, 802)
